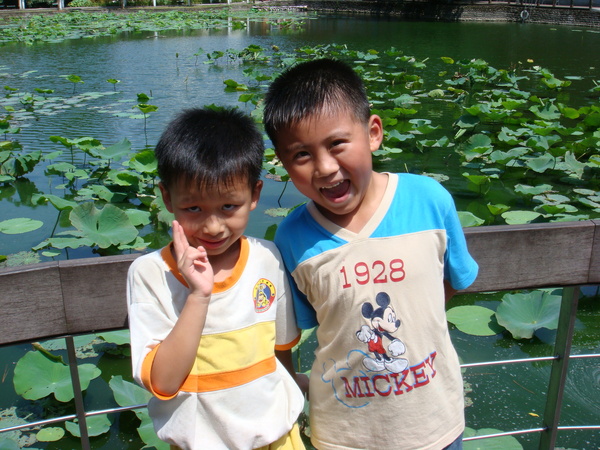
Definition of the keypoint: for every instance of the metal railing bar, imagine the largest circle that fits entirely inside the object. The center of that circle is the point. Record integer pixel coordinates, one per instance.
(524, 360)
(78, 393)
(590, 355)
(505, 433)
(560, 367)
(39, 423)
(532, 430)
(509, 361)
(114, 410)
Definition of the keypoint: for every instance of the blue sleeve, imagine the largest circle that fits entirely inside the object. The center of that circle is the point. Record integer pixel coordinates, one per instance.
(460, 269)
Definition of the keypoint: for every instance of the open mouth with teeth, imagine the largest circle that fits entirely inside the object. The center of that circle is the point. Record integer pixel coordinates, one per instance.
(337, 191)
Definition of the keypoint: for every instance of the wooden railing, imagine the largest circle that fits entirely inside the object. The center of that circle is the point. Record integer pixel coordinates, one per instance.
(66, 298)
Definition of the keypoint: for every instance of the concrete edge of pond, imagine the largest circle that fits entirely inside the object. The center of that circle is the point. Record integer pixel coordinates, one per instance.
(585, 13)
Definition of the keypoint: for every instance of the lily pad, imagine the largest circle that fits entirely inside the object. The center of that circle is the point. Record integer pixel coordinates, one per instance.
(474, 320)
(36, 377)
(19, 225)
(107, 226)
(127, 393)
(468, 219)
(519, 217)
(50, 434)
(96, 425)
(524, 313)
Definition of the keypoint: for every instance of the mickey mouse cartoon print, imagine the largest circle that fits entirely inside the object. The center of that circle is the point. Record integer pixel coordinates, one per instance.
(383, 323)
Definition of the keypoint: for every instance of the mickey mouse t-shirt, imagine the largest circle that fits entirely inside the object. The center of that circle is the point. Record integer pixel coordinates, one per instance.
(386, 374)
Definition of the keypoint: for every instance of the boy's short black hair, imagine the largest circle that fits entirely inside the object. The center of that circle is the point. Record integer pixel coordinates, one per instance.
(320, 86)
(211, 148)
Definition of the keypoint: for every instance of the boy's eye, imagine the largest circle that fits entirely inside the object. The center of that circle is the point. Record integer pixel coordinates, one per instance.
(229, 207)
(301, 155)
(193, 209)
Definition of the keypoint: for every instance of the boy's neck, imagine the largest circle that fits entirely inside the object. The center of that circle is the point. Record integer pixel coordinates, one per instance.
(224, 264)
(356, 220)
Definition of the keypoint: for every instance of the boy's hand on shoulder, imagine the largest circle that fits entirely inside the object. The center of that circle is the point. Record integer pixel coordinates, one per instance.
(193, 264)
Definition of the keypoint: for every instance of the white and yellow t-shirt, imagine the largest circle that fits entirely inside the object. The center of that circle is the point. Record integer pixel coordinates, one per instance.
(237, 396)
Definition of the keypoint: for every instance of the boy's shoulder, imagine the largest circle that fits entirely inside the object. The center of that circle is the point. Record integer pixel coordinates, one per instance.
(147, 260)
(422, 187)
(263, 248)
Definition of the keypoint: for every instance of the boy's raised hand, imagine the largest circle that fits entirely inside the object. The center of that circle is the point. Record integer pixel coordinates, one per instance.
(192, 263)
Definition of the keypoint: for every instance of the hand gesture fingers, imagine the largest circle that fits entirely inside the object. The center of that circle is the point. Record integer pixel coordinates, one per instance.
(192, 263)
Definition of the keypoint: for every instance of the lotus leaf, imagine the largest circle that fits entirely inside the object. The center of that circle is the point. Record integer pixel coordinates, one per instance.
(19, 225)
(127, 393)
(495, 443)
(467, 121)
(36, 377)
(114, 152)
(474, 320)
(8, 444)
(138, 216)
(96, 425)
(50, 434)
(520, 217)
(148, 435)
(61, 243)
(532, 190)
(541, 163)
(144, 162)
(119, 337)
(468, 219)
(548, 112)
(522, 314)
(107, 226)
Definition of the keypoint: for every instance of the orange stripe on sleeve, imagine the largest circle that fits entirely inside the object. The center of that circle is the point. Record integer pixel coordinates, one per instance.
(288, 346)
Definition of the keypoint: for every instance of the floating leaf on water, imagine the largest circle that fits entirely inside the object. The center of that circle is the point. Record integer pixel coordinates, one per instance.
(19, 225)
(127, 393)
(532, 190)
(37, 377)
(522, 314)
(474, 320)
(468, 219)
(50, 434)
(520, 217)
(96, 425)
(119, 337)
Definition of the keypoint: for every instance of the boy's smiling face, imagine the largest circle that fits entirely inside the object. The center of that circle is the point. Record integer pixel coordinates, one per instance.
(328, 157)
(214, 218)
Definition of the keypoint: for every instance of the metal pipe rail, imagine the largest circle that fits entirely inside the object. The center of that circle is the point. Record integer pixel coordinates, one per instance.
(66, 298)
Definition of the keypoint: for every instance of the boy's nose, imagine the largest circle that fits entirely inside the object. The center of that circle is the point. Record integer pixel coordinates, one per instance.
(212, 225)
(326, 165)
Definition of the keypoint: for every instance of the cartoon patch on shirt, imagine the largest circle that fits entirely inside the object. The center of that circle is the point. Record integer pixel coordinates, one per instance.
(383, 324)
(263, 295)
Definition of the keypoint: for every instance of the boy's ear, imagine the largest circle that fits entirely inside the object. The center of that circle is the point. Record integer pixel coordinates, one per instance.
(166, 197)
(375, 132)
(256, 194)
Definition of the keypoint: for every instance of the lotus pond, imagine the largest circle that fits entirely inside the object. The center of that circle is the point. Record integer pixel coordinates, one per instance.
(506, 116)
